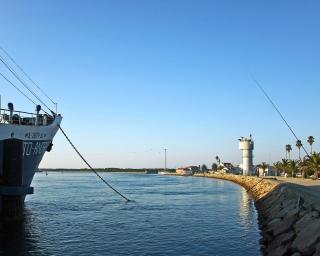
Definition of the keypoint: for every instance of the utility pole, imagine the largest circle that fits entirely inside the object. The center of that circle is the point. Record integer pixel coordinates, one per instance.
(165, 159)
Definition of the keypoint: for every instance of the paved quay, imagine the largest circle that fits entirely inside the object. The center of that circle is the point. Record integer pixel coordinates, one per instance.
(308, 186)
(312, 184)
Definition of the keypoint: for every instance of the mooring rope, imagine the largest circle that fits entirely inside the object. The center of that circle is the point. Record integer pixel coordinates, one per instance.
(91, 168)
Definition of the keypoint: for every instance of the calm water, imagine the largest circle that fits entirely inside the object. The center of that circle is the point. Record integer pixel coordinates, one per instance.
(75, 214)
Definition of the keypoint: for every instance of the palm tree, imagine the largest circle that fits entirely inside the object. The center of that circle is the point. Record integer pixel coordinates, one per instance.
(277, 167)
(314, 163)
(310, 141)
(304, 167)
(264, 167)
(299, 145)
(214, 167)
(204, 168)
(293, 166)
(288, 149)
(284, 166)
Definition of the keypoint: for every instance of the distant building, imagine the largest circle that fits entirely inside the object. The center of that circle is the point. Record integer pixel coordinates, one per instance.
(269, 171)
(184, 171)
(228, 168)
(151, 171)
(237, 170)
(194, 168)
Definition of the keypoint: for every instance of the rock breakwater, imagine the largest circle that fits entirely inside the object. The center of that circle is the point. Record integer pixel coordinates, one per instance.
(289, 217)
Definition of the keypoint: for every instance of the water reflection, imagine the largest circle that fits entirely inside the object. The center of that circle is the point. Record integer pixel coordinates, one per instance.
(20, 238)
(247, 210)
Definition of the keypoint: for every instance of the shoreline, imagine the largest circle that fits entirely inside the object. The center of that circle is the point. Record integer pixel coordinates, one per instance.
(289, 217)
(89, 171)
(102, 170)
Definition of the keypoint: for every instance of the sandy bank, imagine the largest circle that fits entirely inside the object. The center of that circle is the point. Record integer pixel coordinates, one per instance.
(289, 217)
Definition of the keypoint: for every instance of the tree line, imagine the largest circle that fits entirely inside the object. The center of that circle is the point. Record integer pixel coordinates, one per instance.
(308, 165)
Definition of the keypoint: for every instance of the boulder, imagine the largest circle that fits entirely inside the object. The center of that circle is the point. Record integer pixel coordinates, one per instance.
(306, 240)
(317, 253)
(272, 225)
(285, 237)
(273, 211)
(287, 208)
(287, 223)
(305, 220)
(305, 211)
(278, 251)
(277, 245)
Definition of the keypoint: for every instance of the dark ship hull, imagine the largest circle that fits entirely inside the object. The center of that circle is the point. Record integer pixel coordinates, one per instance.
(22, 148)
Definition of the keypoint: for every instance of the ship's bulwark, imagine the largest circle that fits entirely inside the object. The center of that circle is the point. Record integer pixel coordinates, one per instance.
(21, 150)
(20, 159)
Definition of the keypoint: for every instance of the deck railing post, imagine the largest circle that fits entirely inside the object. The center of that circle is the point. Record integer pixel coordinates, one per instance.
(10, 107)
(45, 119)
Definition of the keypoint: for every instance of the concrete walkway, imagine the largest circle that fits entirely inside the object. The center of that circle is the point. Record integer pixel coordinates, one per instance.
(315, 184)
(312, 187)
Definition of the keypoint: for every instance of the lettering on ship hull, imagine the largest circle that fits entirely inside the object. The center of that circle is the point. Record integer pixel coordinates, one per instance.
(35, 135)
(33, 148)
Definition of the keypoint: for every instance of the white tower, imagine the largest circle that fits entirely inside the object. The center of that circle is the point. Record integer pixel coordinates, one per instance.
(246, 145)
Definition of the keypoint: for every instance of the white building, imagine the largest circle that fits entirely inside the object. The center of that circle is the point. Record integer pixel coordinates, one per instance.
(184, 171)
(269, 171)
(246, 146)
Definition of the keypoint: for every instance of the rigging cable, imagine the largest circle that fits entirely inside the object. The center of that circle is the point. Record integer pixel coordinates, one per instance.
(23, 82)
(22, 70)
(278, 111)
(36, 96)
(17, 88)
(91, 168)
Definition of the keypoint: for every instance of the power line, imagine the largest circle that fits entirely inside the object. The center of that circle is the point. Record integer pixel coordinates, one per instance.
(22, 70)
(278, 111)
(165, 159)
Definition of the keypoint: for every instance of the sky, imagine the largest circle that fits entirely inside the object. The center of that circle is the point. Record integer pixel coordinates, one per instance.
(134, 77)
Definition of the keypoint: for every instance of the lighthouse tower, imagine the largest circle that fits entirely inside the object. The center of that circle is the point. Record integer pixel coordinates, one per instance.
(246, 145)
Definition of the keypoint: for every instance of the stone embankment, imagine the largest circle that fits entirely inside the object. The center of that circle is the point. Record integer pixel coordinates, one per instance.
(289, 218)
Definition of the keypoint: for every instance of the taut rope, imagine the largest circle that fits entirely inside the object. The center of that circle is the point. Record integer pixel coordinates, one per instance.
(91, 168)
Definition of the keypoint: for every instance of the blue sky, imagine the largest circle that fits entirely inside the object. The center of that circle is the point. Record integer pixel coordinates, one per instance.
(134, 77)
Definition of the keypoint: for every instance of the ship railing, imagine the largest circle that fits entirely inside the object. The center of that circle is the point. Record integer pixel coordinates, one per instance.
(24, 118)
